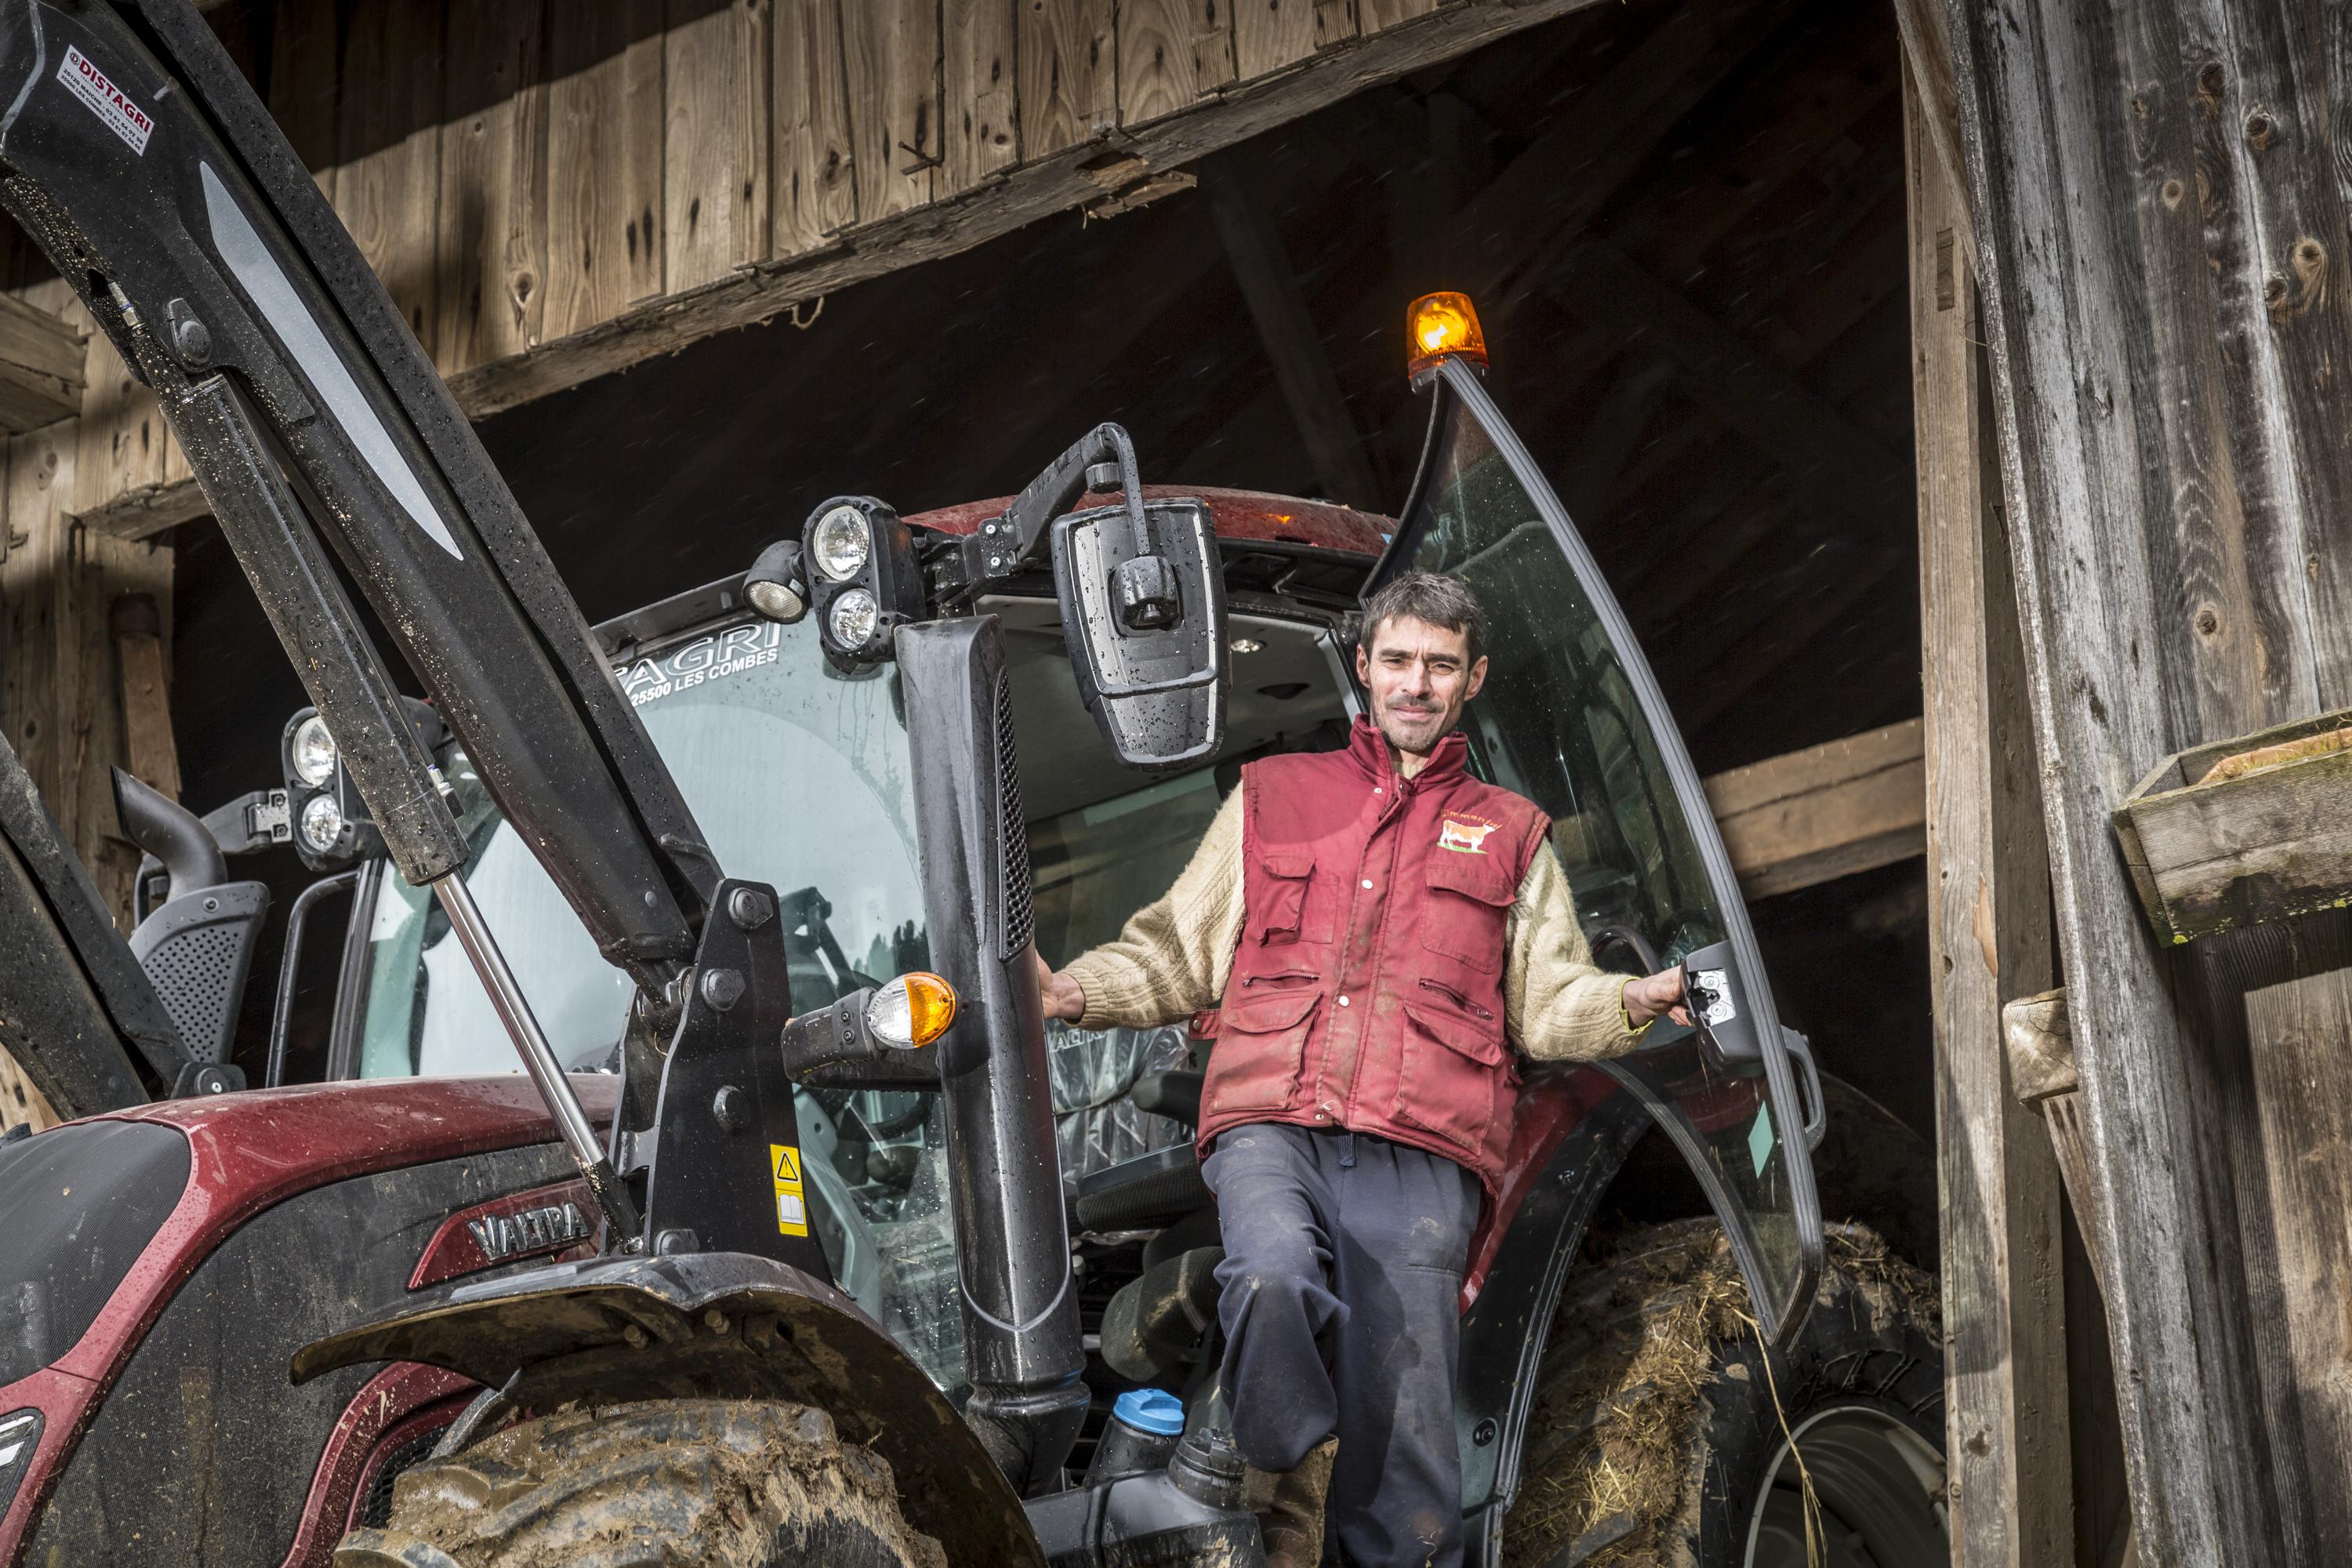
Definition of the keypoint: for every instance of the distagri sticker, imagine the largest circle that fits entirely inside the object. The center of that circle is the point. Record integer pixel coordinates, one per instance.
(106, 101)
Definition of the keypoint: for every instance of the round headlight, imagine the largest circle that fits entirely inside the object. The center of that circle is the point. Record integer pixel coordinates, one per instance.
(841, 543)
(314, 752)
(912, 1010)
(322, 823)
(777, 602)
(851, 619)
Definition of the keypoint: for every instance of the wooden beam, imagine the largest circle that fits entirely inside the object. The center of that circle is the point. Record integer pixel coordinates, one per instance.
(41, 374)
(1825, 812)
(715, 283)
(1989, 936)
(1821, 448)
(1928, 58)
(1549, 195)
(1607, 442)
(2140, 375)
(1286, 331)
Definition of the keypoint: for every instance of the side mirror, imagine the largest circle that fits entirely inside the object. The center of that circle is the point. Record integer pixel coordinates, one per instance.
(1143, 609)
(1143, 599)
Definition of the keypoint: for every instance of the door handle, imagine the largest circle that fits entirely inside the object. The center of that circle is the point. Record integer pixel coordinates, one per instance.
(1809, 1085)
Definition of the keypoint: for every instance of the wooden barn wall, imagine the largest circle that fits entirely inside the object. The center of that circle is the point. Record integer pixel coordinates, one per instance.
(553, 191)
(2159, 199)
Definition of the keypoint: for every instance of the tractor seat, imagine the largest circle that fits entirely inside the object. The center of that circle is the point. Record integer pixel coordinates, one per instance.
(1150, 1191)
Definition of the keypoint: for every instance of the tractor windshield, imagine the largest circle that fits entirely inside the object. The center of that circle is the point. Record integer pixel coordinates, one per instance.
(799, 777)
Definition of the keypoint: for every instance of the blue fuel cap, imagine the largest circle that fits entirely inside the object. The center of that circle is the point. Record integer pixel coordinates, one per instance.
(1153, 1410)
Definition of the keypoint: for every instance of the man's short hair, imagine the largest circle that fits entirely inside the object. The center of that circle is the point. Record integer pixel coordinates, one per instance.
(1426, 596)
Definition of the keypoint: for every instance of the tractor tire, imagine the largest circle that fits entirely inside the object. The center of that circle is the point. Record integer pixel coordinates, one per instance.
(659, 1484)
(1661, 1434)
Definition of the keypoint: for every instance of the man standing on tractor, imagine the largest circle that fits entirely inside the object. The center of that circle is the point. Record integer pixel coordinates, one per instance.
(1382, 929)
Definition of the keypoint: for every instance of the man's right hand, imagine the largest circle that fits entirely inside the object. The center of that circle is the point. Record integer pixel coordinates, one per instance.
(1064, 997)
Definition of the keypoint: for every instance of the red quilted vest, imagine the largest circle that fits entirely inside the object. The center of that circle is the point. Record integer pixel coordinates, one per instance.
(1367, 992)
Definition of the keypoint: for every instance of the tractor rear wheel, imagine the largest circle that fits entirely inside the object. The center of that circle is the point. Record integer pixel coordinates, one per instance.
(657, 1484)
(1662, 1432)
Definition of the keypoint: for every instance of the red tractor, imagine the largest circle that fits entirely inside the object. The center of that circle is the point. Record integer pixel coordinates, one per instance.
(803, 1238)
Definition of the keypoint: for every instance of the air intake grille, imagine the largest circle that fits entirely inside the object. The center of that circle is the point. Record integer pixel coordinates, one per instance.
(192, 972)
(1012, 832)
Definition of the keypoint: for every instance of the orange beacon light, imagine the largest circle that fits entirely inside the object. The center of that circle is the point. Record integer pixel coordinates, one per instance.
(1443, 326)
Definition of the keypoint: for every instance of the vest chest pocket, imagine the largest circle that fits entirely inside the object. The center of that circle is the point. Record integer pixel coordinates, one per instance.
(1260, 1051)
(1470, 896)
(1283, 905)
(1453, 1076)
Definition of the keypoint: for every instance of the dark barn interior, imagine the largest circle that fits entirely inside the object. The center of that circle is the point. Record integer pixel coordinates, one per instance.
(1684, 227)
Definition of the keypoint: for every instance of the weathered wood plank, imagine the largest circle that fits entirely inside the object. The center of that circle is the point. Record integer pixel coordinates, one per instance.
(42, 371)
(1067, 73)
(20, 1102)
(890, 55)
(305, 52)
(491, 297)
(980, 111)
(106, 572)
(1927, 53)
(605, 250)
(2299, 1027)
(2205, 352)
(1335, 22)
(1989, 937)
(1374, 15)
(815, 178)
(143, 666)
(1159, 69)
(1271, 34)
(121, 431)
(38, 669)
(715, 159)
(1050, 185)
(1825, 812)
(388, 181)
(2293, 294)
(2047, 115)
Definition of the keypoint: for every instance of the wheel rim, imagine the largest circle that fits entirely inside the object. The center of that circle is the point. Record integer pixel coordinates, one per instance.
(1881, 1489)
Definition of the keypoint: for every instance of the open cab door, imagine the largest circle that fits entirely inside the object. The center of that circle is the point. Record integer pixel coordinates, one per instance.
(1570, 717)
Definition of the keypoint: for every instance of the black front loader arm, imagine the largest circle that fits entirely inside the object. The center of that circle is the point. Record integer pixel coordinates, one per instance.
(140, 161)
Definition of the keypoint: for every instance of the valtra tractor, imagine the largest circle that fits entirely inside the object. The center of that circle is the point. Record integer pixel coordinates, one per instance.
(801, 1238)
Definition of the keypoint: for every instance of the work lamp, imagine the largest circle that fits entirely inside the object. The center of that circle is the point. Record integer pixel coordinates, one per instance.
(863, 580)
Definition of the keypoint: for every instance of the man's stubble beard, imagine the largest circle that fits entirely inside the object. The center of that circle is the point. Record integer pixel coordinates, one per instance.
(1433, 724)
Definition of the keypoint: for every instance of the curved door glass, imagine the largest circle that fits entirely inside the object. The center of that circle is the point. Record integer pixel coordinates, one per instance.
(1571, 718)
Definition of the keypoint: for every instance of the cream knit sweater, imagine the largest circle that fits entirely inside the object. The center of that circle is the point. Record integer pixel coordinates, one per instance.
(1173, 957)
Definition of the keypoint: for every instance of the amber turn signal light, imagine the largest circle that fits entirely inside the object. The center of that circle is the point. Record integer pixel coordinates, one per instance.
(1443, 326)
(911, 1011)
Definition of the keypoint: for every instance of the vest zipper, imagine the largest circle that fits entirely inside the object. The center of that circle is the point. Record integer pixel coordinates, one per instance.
(1459, 999)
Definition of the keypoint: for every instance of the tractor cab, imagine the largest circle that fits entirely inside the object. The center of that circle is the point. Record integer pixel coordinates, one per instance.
(776, 702)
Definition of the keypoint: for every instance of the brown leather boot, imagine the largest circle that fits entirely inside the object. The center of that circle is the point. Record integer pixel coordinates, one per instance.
(1289, 1507)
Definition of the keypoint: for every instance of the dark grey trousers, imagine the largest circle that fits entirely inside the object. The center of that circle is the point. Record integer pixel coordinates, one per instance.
(1343, 1265)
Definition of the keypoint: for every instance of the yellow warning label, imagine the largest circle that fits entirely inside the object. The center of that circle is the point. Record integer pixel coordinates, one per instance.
(792, 1206)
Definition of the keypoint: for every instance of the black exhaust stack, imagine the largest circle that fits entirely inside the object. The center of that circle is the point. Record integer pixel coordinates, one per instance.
(1021, 1350)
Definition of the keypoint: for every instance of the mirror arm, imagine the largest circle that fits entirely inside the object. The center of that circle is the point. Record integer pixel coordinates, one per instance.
(1018, 540)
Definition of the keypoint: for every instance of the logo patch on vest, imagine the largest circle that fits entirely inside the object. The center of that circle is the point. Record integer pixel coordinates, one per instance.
(1462, 838)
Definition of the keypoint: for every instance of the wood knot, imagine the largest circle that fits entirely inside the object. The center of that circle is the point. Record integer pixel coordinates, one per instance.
(2172, 192)
(2260, 130)
(2211, 81)
(2274, 289)
(2209, 621)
